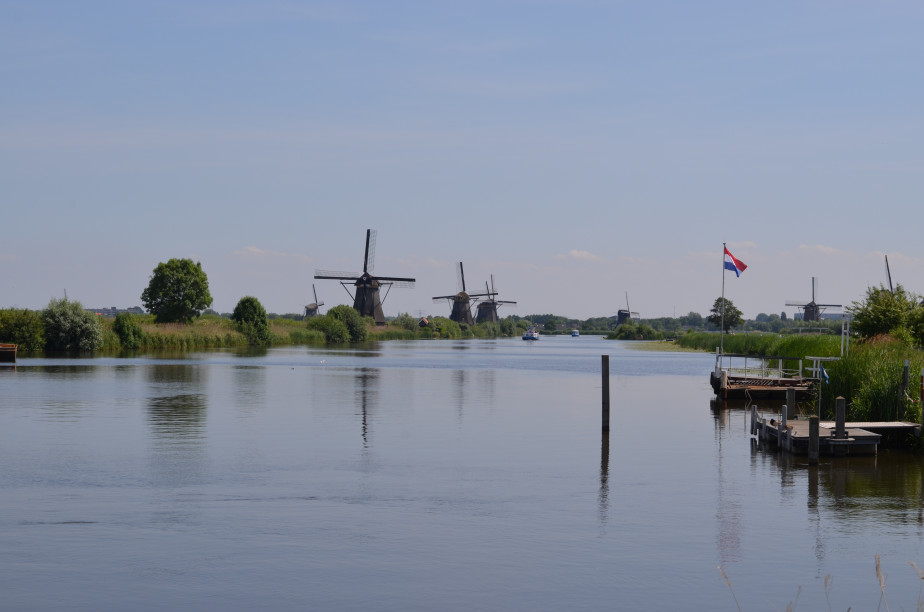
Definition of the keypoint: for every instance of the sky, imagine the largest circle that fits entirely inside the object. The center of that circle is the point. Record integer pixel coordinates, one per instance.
(586, 153)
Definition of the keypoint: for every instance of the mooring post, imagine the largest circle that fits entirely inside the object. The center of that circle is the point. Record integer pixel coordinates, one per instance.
(605, 363)
(840, 414)
(790, 403)
(754, 413)
(813, 440)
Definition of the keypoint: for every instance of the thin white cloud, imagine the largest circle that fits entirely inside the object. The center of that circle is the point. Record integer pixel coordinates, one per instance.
(252, 251)
(577, 254)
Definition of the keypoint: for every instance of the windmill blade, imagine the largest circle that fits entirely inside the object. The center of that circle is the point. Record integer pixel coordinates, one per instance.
(335, 275)
(315, 293)
(460, 278)
(400, 283)
(795, 303)
(369, 260)
(889, 274)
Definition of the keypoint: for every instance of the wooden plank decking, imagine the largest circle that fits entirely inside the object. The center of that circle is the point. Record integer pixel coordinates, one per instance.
(858, 438)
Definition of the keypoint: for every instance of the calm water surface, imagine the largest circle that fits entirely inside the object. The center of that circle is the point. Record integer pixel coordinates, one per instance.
(440, 475)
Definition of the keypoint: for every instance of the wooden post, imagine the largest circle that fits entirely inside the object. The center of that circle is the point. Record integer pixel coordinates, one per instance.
(605, 363)
(813, 440)
(754, 412)
(790, 403)
(840, 414)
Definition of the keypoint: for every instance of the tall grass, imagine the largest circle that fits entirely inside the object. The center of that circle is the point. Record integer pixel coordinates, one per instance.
(796, 346)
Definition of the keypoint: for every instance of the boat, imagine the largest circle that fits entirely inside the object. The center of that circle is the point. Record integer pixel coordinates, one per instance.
(575, 333)
(531, 334)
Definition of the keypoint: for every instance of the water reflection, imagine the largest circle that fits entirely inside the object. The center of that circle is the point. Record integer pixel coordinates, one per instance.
(604, 496)
(367, 398)
(176, 413)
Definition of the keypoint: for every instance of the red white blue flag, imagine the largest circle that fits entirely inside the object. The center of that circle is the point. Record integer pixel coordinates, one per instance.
(734, 264)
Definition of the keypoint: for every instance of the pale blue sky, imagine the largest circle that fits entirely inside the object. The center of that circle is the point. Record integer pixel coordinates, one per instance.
(575, 150)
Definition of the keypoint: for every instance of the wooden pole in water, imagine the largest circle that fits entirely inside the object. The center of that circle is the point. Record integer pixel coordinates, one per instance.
(790, 403)
(605, 370)
(813, 440)
(840, 414)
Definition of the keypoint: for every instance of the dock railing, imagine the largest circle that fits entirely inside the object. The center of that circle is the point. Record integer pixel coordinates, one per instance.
(749, 366)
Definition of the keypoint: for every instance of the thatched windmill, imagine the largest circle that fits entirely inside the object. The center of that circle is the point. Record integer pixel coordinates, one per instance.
(487, 309)
(811, 311)
(367, 301)
(312, 310)
(461, 301)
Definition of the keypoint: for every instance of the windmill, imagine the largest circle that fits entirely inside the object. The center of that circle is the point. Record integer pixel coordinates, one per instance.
(312, 310)
(461, 301)
(812, 310)
(487, 309)
(625, 314)
(367, 301)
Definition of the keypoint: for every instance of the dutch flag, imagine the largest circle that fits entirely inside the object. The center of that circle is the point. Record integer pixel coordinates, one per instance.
(732, 263)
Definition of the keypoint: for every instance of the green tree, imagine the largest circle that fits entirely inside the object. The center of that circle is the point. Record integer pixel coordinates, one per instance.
(884, 312)
(353, 321)
(23, 327)
(178, 291)
(128, 330)
(732, 317)
(251, 320)
(68, 327)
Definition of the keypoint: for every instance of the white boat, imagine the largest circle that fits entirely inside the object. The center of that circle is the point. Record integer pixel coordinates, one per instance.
(531, 334)
(575, 333)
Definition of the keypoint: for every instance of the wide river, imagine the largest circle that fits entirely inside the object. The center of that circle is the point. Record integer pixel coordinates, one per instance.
(428, 475)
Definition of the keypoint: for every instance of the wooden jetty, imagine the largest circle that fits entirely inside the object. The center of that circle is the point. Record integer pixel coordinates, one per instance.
(833, 438)
(8, 353)
(746, 376)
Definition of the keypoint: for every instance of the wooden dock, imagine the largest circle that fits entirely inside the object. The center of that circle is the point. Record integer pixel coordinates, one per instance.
(832, 438)
(8, 353)
(746, 376)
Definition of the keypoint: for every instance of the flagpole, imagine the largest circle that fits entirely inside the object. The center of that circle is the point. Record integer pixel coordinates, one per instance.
(722, 306)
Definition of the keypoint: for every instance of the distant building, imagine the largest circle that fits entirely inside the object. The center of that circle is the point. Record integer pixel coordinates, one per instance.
(113, 311)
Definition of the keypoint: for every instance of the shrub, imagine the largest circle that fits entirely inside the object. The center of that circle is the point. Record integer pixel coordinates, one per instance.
(68, 327)
(251, 320)
(335, 331)
(23, 327)
(128, 330)
(353, 321)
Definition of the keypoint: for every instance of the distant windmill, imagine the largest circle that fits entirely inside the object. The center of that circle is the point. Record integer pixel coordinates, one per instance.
(487, 309)
(625, 314)
(461, 301)
(312, 310)
(367, 301)
(812, 310)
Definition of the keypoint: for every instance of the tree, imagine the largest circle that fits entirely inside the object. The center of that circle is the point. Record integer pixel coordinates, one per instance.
(68, 327)
(732, 316)
(251, 320)
(883, 311)
(178, 291)
(335, 331)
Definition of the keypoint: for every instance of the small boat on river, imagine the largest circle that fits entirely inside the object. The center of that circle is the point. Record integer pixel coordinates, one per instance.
(531, 334)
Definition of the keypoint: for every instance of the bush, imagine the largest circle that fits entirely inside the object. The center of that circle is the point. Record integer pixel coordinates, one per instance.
(25, 328)
(128, 330)
(335, 331)
(251, 320)
(353, 321)
(68, 327)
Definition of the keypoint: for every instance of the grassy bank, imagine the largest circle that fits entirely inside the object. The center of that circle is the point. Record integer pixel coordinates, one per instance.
(869, 378)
